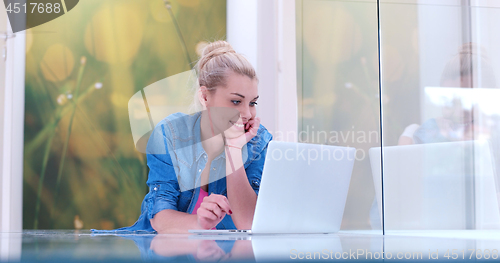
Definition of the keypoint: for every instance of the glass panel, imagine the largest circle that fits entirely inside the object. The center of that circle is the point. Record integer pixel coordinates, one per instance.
(81, 167)
(440, 62)
(338, 93)
(3, 49)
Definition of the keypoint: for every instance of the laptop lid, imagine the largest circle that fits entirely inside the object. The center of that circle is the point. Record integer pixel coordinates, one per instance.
(303, 188)
(437, 186)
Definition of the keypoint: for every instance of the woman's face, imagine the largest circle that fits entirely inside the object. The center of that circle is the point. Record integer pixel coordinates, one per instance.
(456, 112)
(232, 106)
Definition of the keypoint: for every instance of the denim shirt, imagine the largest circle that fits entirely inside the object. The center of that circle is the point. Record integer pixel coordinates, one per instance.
(176, 159)
(429, 132)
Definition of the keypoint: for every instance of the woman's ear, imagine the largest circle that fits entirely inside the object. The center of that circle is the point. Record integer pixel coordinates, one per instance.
(202, 95)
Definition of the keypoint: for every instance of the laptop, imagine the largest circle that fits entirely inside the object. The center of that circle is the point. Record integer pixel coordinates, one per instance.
(303, 190)
(280, 247)
(448, 185)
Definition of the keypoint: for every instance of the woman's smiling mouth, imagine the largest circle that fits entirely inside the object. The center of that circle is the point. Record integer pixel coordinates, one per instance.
(238, 125)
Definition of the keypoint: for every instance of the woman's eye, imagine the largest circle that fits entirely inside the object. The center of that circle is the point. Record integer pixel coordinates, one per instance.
(236, 102)
(252, 104)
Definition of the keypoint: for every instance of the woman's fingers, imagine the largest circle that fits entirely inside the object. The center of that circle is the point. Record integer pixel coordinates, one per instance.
(206, 214)
(256, 124)
(224, 203)
(214, 208)
(221, 201)
(253, 125)
(249, 124)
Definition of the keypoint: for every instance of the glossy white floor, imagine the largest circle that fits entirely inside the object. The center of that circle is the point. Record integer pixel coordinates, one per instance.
(67, 245)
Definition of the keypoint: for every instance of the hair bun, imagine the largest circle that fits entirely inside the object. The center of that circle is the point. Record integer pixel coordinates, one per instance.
(217, 48)
(212, 50)
(472, 49)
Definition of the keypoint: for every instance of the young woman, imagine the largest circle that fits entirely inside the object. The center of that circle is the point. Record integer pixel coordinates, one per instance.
(205, 168)
(469, 68)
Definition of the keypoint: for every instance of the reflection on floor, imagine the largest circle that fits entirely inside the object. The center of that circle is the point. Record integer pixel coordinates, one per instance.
(82, 245)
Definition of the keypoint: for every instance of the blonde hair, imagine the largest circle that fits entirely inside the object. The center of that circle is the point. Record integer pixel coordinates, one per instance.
(471, 60)
(217, 60)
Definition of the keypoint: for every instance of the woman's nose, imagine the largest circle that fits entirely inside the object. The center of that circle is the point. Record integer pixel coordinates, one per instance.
(245, 114)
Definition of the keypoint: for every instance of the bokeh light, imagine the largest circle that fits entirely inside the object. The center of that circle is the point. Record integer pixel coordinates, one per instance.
(115, 32)
(57, 63)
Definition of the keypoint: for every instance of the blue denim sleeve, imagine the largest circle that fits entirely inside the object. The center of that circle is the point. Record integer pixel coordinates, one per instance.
(428, 132)
(162, 179)
(254, 169)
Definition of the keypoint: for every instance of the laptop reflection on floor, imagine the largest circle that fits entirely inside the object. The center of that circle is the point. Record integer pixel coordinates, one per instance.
(303, 190)
(437, 186)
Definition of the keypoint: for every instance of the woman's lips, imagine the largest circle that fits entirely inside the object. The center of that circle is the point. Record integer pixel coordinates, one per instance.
(239, 126)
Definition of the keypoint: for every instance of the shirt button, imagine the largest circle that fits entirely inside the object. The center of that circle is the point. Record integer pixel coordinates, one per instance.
(205, 156)
(213, 168)
(199, 170)
(155, 188)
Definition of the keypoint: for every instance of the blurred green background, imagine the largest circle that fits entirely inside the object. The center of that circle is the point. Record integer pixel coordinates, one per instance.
(81, 169)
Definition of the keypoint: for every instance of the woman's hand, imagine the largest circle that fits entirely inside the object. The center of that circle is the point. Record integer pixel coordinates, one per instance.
(212, 210)
(252, 126)
(208, 250)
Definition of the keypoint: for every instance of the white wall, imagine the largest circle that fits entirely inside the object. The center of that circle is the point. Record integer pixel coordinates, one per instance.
(287, 104)
(11, 135)
(440, 37)
(242, 27)
(3, 29)
(264, 31)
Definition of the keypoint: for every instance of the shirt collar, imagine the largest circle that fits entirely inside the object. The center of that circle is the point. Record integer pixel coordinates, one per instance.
(199, 151)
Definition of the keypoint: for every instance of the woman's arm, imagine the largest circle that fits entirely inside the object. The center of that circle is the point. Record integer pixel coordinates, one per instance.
(241, 195)
(406, 137)
(174, 222)
(209, 214)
